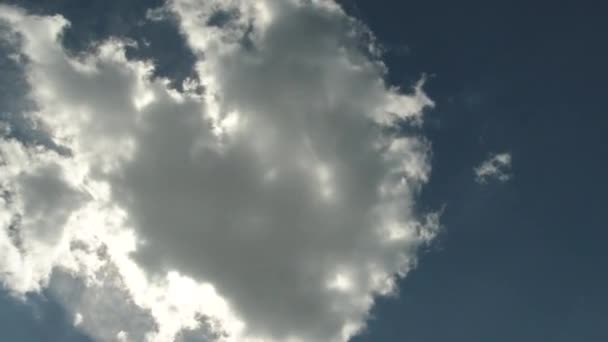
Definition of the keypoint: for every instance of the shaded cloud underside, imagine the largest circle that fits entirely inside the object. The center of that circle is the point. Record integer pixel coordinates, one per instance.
(273, 206)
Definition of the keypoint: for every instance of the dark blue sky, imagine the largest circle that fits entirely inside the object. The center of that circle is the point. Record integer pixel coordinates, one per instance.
(521, 261)
(38, 318)
(525, 260)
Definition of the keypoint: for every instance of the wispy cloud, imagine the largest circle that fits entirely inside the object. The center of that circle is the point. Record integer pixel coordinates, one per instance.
(496, 167)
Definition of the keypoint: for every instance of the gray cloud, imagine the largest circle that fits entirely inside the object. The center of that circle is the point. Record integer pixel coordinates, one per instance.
(104, 308)
(15, 104)
(47, 201)
(284, 190)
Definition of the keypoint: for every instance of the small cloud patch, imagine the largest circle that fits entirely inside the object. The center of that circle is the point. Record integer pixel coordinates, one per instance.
(495, 167)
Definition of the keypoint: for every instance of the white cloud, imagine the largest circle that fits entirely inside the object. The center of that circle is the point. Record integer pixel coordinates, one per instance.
(274, 207)
(497, 166)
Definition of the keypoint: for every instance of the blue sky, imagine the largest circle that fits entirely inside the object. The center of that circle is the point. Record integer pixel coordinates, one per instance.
(524, 260)
(36, 318)
(520, 260)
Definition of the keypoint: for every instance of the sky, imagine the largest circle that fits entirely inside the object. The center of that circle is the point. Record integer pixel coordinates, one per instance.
(313, 171)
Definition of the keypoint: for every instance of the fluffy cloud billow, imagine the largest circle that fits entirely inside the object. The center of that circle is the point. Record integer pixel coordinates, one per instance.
(271, 200)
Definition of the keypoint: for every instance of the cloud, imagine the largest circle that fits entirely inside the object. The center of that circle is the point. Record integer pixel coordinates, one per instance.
(104, 308)
(97, 20)
(274, 206)
(497, 167)
(14, 101)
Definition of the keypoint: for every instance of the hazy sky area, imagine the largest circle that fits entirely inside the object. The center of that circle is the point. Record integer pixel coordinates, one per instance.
(303, 171)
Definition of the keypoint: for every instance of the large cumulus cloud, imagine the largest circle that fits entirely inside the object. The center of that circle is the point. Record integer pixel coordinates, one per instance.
(274, 205)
